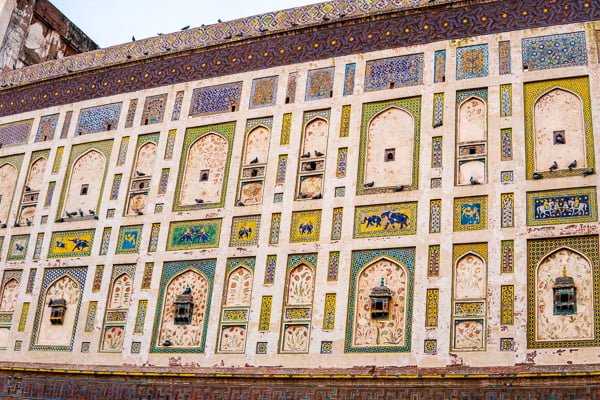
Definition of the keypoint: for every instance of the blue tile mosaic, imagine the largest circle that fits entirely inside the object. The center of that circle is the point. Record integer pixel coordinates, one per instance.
(349, 78)
(98, 119)
(319, 84)
(15, 132)
(555, 51)
(388, 73)
(216, 99)
(177, 106)
(439, 66)
(472, 62)
(154, 109)
(46, 128)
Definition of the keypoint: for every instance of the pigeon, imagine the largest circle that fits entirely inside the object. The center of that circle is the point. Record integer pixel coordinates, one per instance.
(254, 161)
(588, 172)
(240, 203)
(319, 154)
(80, 212)
(317, 196)
(185, 28)
(138, 173)
(139, 212)
(572, 165)
(304, 195)
(537, 175)
(474, 181)
(554, 166)
(199, 201)
(133, 38)
(399, 188)
(28, 222)
(27, 189)
(305, 155)
(369, 184)
(92, 212)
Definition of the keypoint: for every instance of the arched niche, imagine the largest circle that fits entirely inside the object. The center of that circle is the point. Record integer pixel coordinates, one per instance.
(315, 137)
(120, 296)
(257, 145)
(369, 332)
(301, 284)
(390, 148)
(49, 334)
(10, 293)
(239, 287)
(470, 277)
(35, 178)
(204, 170)
(559, 130)
(472, 120)
(189, 335)
(8, 177)
(85, 182)
(578, 326)
(145, 159)
(471, 169)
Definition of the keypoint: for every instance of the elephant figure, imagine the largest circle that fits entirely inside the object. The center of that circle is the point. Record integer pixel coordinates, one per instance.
(394, 218)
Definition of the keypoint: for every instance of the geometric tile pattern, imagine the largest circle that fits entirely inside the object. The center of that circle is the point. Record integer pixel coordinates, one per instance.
(435, 216)
(555, 51)
(436, 152)
(164, 181)
(147, 276)
(38, 246)
(57, 159)
(326, 347)
(275, 228)
(98, 119)
(105, 241)
(123, 151)
(216, 99)
(154, 109)
(342, 161)
(90, 320)
(153, 243)
(31, 280)
(336, 224)
(333, 266)
(116, 186)
(97, 282)
(430, 346)
(15, 132)
(177, 106)
(286, 129)
(507, 344)
(329, 312)
(292, 84)
(141, 316)
(270, 267)
(349, 77)
(345, 124)
(507, 144)
(431, 308)
(264, 322)
(507, 304)
(505, 100)
(319, 83)
(389, 73)
(438, 109)
(131, 113)
(281, 169)
(170, 144)
(472, 62)
(506, 177)
(433, 267)
(264, 92)
(47, 128)
(261, 347)
(23, 319)
(66, 125)
(507, 259)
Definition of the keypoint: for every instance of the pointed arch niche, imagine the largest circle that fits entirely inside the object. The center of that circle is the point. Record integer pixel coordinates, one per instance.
(33, 187)
(117, 308)
(389, 146)
(558, 127)
(471, 137)
(204, 167)
(469, 297)
(313, 153)
(141, 175)
(50, 333)
(8, 176)
(254, 161)
(235, 312)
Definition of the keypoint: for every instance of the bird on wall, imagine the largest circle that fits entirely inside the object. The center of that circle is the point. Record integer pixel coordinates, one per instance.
(254, 161)
(572, 165)
(537, 175)
(185, 28)
(369, 184)
(474, 181)
(317, 196)
(304, 195)
(399, 188)
(588, 172)
(319, 154)
(305, 155)
(199, 201)
(240, 203)
(554, 166)
(138, 173)
(133, 38)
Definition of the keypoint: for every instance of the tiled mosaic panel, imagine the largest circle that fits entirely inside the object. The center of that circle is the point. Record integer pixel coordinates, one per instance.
(97, 282)
(275, 228)
(319, 83)
(290, 94)
(131, 113)
(336, 224)
(261, 347)
(505, 100)
(105, 241)
(38, 246)
(129, 239)
(555, 51)
(562, 206)
(470, 213)
(436, 152)
(47, 128)
(508, 210)
(333, 266)
(340, 191)
(170, 144)
(439, 60)
(430, 346)
(507, 344)
(507, 144)
(17, 250)
(433, 260)
(507, 304)
(270, 267)
(49, 194)
(90, 320)
(435, 216)
(278, 198)
(438, 109)
(15, 132)
(472, 62)
(66, 125)
(436, 183)
(85, 347)
(345, 124)
(506, 177)
(18, 345)
(507, 261)
(116, 186)
(245, 231)
(264, 92)
(154, 233)
(394, 72)
(154, 109)
(23, 318)
(431, 308)
(136, 347)
(504, 57)
(123, 151)
(164, 181)
(216, 99)
(286, 129)
(329, 312)
(98, 119)
(177, 106)
(147, 275)
(264, 321)
(30, 280)
(140, 317)
(57, 159)
(342, 162)
(349, 78)
(326, 347)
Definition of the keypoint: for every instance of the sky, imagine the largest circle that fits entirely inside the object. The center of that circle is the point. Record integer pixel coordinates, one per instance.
(111, 22)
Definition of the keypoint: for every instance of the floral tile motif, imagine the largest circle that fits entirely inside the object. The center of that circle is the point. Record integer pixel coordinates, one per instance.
(47, 128)
(472, 62)
(506, 100)
(385, 220)
(116, 186)
(342, 162)
(436, 152)
(281, 169)
(395, 72)
(508, 210)
(506, 177)
(244, 231)
(436, 183)
(270, 268)
(470, 213)
(306, 226)
(504, 57)
(329, 312)
(336, 224)
(98, 119)
(564, 206)
(286, 129)
(555, 51)
(333, 266)
(130, 238)
(216, 99)
(345, 124)
(147, 276)
(172, 135)
(140, 317)
(38, 246)
(507, 261)
(264, 322)
(190, 235)
(177, 106)
(123, 151)
(433, 263)
(261, 347)
(319, 83)
(340, 191)
(292, 84)
(507, 144)
(90, 320)
(154, 234)
(66, 125)
(439, 66)
(507, 344)
(431, 308)
(136, 347)
(23, 318)
(30, 279)
(275, 228)
(105, 241)
(438, 110)
(507, 304)
(430, 346)
(131, 113)
(97, 282)
(326, 347)
(264, 92)
(154, 109)
(435, 216)
(349, 77)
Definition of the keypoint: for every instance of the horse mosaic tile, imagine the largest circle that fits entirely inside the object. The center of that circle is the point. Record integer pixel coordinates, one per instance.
(389, 73)
(507, 201)
(504, 57)
(385, 220)
(564, 206)
(349, 78)
(275, 228)
(472, 62)
(244, 231)
(98, 119)
(319, 83)
(439, 66)
(47, 128)
(17, 248)
(270, 267)
(131, 113)
(216, 99)
(177, 105)
(305, 226)
(555, 51)
(264, 92)
(15, 133)
(129, 240)
(191, 235)
(154, 109)
(366, 270)
(470, 213)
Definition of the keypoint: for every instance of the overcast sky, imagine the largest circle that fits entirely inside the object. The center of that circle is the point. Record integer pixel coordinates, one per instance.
(110, 22)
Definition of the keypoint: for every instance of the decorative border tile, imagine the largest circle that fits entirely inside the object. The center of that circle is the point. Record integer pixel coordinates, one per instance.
(394, 72)
(438, 110)
(270, 267)
(345, 123)
(554, 51)
(507, 201)
(506, 100)
(329, 312)
(349, 77)
(433, 261)
(439, 66)
(507, 260)
(435, 216)
(506, 153)
(140, 317)
(147, 276)
(286, 129)
(504, 57)
(336, 223)
(275, 228)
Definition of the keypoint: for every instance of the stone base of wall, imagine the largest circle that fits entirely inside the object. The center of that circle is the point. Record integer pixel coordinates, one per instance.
(141, 384)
